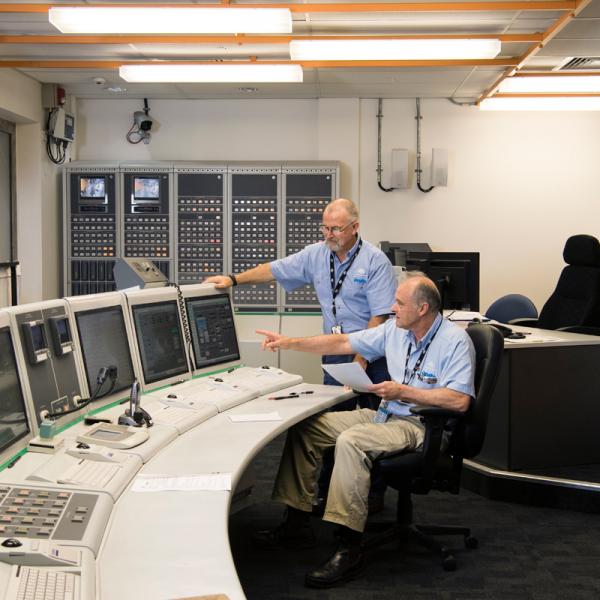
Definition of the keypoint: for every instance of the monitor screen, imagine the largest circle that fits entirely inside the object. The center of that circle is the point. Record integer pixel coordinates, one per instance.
(103, 342)
(13, 418)
(213, 330)
(160, 341)
(399, 252)
(456, 275)
(64, 333)
(146, 188)
(92, 187)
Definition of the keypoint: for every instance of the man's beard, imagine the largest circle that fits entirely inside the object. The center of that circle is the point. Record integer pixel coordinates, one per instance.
(333, 246)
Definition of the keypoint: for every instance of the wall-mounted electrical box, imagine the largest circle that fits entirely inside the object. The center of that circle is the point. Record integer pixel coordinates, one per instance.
(61, 125)
(439, 167)
(399, 179)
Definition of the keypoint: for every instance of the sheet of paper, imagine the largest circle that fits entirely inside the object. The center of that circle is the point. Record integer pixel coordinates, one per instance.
(212, 482)
(247, 418)
(350, 374)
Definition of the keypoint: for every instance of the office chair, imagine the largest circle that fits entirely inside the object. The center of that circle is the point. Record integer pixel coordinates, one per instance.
(511, 306)
(575, 303)
(431, 468)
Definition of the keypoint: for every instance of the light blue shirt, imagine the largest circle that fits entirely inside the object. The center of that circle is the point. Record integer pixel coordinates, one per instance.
(367, 291)
(449, 362)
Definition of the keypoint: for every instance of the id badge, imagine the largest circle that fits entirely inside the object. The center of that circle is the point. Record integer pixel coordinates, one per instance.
(336, 329)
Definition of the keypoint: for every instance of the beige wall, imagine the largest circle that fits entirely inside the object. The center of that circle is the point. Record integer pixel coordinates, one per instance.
(519, 183)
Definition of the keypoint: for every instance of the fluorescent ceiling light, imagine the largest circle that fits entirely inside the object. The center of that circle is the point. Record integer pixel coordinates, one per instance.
(436, 49)
(565, 103)
(119, 19)
(551, 84)
(213, 73)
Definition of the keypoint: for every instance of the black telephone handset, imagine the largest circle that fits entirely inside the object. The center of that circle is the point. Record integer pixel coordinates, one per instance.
(506, 331)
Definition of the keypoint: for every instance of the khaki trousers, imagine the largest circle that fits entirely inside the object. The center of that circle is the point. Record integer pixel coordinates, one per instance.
(358, 441)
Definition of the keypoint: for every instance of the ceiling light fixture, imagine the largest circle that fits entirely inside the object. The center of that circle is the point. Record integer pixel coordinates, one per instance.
(212, 73)
(574, 103)
(549, 84)
(389, 49)
(121, 19)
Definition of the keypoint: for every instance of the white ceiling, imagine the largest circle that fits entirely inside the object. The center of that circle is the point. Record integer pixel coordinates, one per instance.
(464, 83)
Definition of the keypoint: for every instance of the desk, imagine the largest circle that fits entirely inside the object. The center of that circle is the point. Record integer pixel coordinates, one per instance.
(545, 410)
(175, 544)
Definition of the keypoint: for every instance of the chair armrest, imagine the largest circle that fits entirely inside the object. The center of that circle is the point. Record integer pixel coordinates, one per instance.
(434, 411)
(524, 322)
(581, 329)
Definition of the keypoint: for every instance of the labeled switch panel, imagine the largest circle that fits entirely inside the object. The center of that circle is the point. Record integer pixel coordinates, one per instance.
(254, 236)
(200, 225)
(92, 231)
(146, 216)
(305, 197)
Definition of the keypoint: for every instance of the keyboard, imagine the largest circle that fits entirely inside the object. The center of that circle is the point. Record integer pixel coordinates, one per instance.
(31, 583)
(90, 472)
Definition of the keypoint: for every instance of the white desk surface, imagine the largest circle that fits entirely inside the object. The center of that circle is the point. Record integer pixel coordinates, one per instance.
(176, 544)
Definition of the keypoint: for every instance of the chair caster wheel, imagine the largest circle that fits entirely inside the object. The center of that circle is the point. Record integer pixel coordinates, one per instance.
(471, 542)
(449, 563)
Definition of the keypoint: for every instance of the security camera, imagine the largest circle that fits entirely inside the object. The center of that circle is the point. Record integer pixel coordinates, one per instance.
(99, 80)
(142, 120)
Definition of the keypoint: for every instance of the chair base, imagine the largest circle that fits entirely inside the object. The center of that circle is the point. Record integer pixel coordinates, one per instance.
(423, 535)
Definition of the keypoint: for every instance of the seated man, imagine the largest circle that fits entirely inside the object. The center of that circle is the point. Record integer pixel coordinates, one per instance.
(431, 362)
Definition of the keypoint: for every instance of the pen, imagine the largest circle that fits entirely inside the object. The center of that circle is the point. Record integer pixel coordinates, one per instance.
(13, 462)
(292, 395)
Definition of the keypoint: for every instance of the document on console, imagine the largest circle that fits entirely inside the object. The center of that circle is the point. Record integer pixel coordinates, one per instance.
(210, 482)
(350, 374)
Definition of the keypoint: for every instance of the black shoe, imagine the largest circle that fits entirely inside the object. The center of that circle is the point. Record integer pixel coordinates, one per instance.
(375, 504)
(343, 565)
(291, 537)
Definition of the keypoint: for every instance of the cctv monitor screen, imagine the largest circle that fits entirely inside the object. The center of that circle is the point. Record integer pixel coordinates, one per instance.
(213, 330)
(13, 418)
(146, 188)
(92, 187)
(160, 342)
(38, 337)
(103, 342)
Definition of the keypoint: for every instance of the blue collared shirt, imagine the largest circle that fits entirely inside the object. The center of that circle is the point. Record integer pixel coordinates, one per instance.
(449, 363)
(367, 291)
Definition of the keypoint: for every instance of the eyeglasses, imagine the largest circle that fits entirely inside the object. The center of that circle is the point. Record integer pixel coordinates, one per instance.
(335, 229)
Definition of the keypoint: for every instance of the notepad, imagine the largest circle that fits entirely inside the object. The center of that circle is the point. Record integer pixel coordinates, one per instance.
(211, 482)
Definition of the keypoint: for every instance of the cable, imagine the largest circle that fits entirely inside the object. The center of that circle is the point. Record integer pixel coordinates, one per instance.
(379, 167)
(103, 374)
(418, 169)
(60, 154)
(186, 325)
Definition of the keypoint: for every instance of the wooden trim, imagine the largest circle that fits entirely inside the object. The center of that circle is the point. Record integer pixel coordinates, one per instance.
(533, 5)
(241, 39)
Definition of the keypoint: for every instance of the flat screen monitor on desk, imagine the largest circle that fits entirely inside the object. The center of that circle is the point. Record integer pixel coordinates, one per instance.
(103, 342)
(160, 340)
(456, 275)
(212, 326)
(399, 252)
(14, 426)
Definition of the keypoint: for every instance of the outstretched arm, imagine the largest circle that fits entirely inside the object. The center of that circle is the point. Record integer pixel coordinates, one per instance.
(319, 344)
(260, 274)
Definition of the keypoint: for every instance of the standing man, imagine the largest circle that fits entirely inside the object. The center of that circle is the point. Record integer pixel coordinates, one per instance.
(354, 281)
(431, 362)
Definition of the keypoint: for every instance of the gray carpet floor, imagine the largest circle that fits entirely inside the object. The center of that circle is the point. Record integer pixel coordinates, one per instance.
(525, 553)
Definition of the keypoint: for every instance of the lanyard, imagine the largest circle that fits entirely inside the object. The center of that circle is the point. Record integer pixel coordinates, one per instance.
(408, 378)
(336, 287)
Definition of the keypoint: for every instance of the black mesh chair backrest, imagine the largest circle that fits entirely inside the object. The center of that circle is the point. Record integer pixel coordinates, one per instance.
(576, 299)
(489, 345)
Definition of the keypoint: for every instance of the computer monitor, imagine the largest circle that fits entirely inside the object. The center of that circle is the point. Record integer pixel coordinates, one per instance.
(212, 328)
(14, 426)
(456, 275)
(103, 342)
(92, 187)
(399, 252)
(159, 340)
